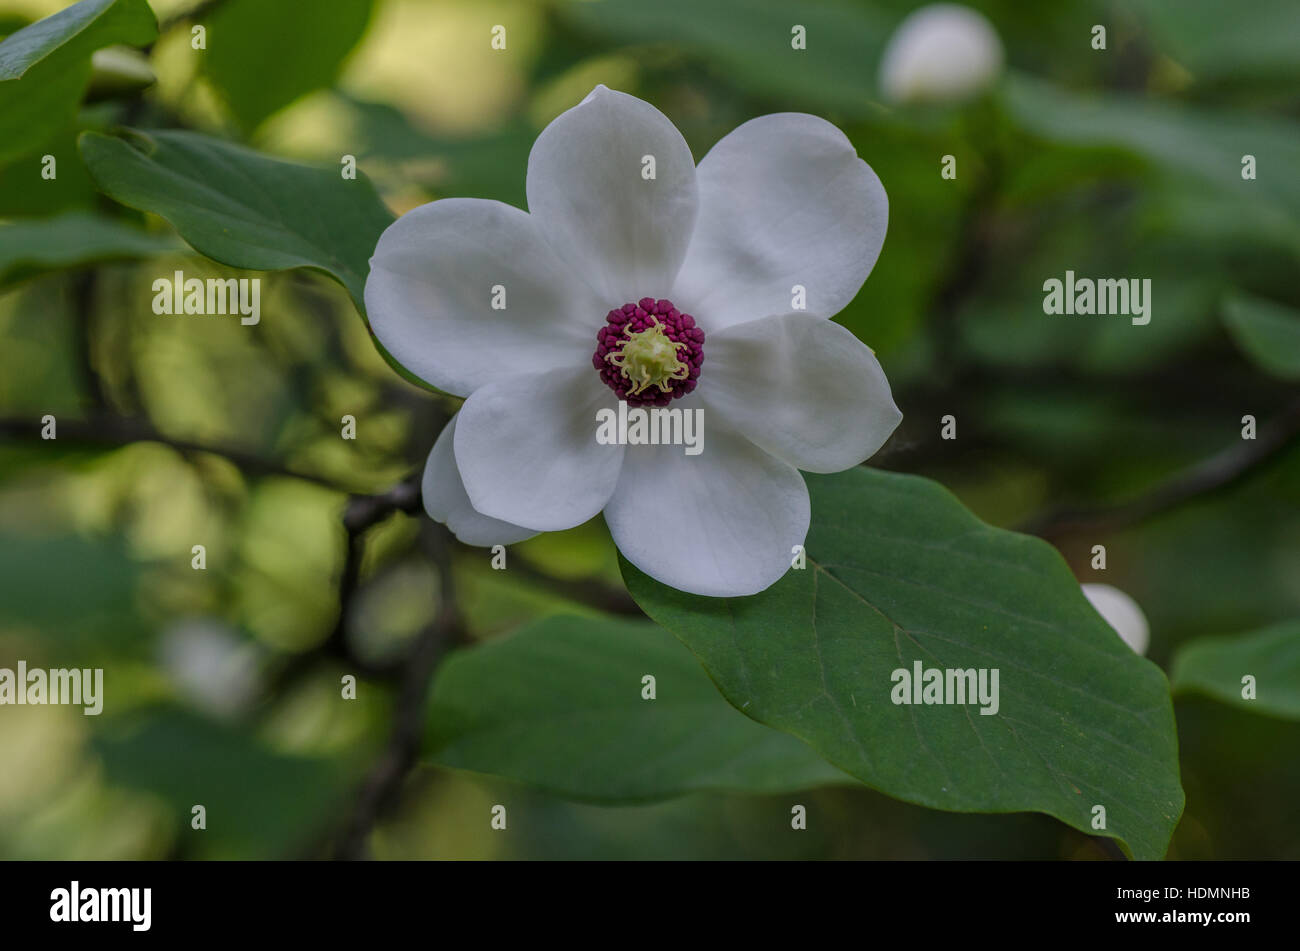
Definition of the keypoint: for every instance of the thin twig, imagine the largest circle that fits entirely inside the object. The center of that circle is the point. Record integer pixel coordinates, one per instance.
(363, 511)
(366, 510)
(108, 429)
(379, 790)
(1209, 476)
(83, 289)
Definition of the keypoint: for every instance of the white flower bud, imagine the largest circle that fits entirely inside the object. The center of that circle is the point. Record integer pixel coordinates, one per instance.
(210, 666)
(1122, 613)
(940, 53)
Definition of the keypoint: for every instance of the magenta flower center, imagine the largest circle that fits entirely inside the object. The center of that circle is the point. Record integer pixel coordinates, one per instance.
(649, 353)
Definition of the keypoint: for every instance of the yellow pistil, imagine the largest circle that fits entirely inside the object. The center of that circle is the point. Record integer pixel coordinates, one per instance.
(649, 358)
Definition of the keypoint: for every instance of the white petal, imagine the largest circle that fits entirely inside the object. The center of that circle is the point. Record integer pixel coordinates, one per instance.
(784, 200)
(624, 234)
(432, 283)
(1122, 613)
(721, 523)
(446, 501)
(940, 53)
(527, 449)
(805, 390)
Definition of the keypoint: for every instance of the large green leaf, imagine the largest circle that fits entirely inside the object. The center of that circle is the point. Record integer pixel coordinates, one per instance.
(72, 239)
(1269, 333)
(44, 67)
(900, 572)
(242, 208)
(258, 70)
(1215, 666)
(559, 705)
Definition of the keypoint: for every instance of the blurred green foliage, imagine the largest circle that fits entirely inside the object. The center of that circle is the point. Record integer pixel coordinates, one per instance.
(1123, 162)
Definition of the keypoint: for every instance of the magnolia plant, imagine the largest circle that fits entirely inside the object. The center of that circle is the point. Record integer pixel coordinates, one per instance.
(663, 365)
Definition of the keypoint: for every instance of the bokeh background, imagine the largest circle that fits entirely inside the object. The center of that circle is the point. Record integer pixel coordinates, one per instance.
(1115, 163)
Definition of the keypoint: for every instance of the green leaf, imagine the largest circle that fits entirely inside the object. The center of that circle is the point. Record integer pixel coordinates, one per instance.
(44, 67)
(900, 572)
(256, 67)
(25, 193)
(265, 804)
(72, 239)
(1206, 146)
(1267, 332)
(81, 28)
(1215, 666)
(558, 705)
(242, 208)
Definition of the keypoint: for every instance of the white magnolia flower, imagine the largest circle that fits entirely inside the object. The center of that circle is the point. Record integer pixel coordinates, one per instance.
(940, 53)
(1122, 613)
(635, 276)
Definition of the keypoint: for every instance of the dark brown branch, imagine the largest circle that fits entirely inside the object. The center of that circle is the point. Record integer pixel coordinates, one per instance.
(1212, 475)
(83, 289)
(112, 430)
(379, 790)
(363, 511)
